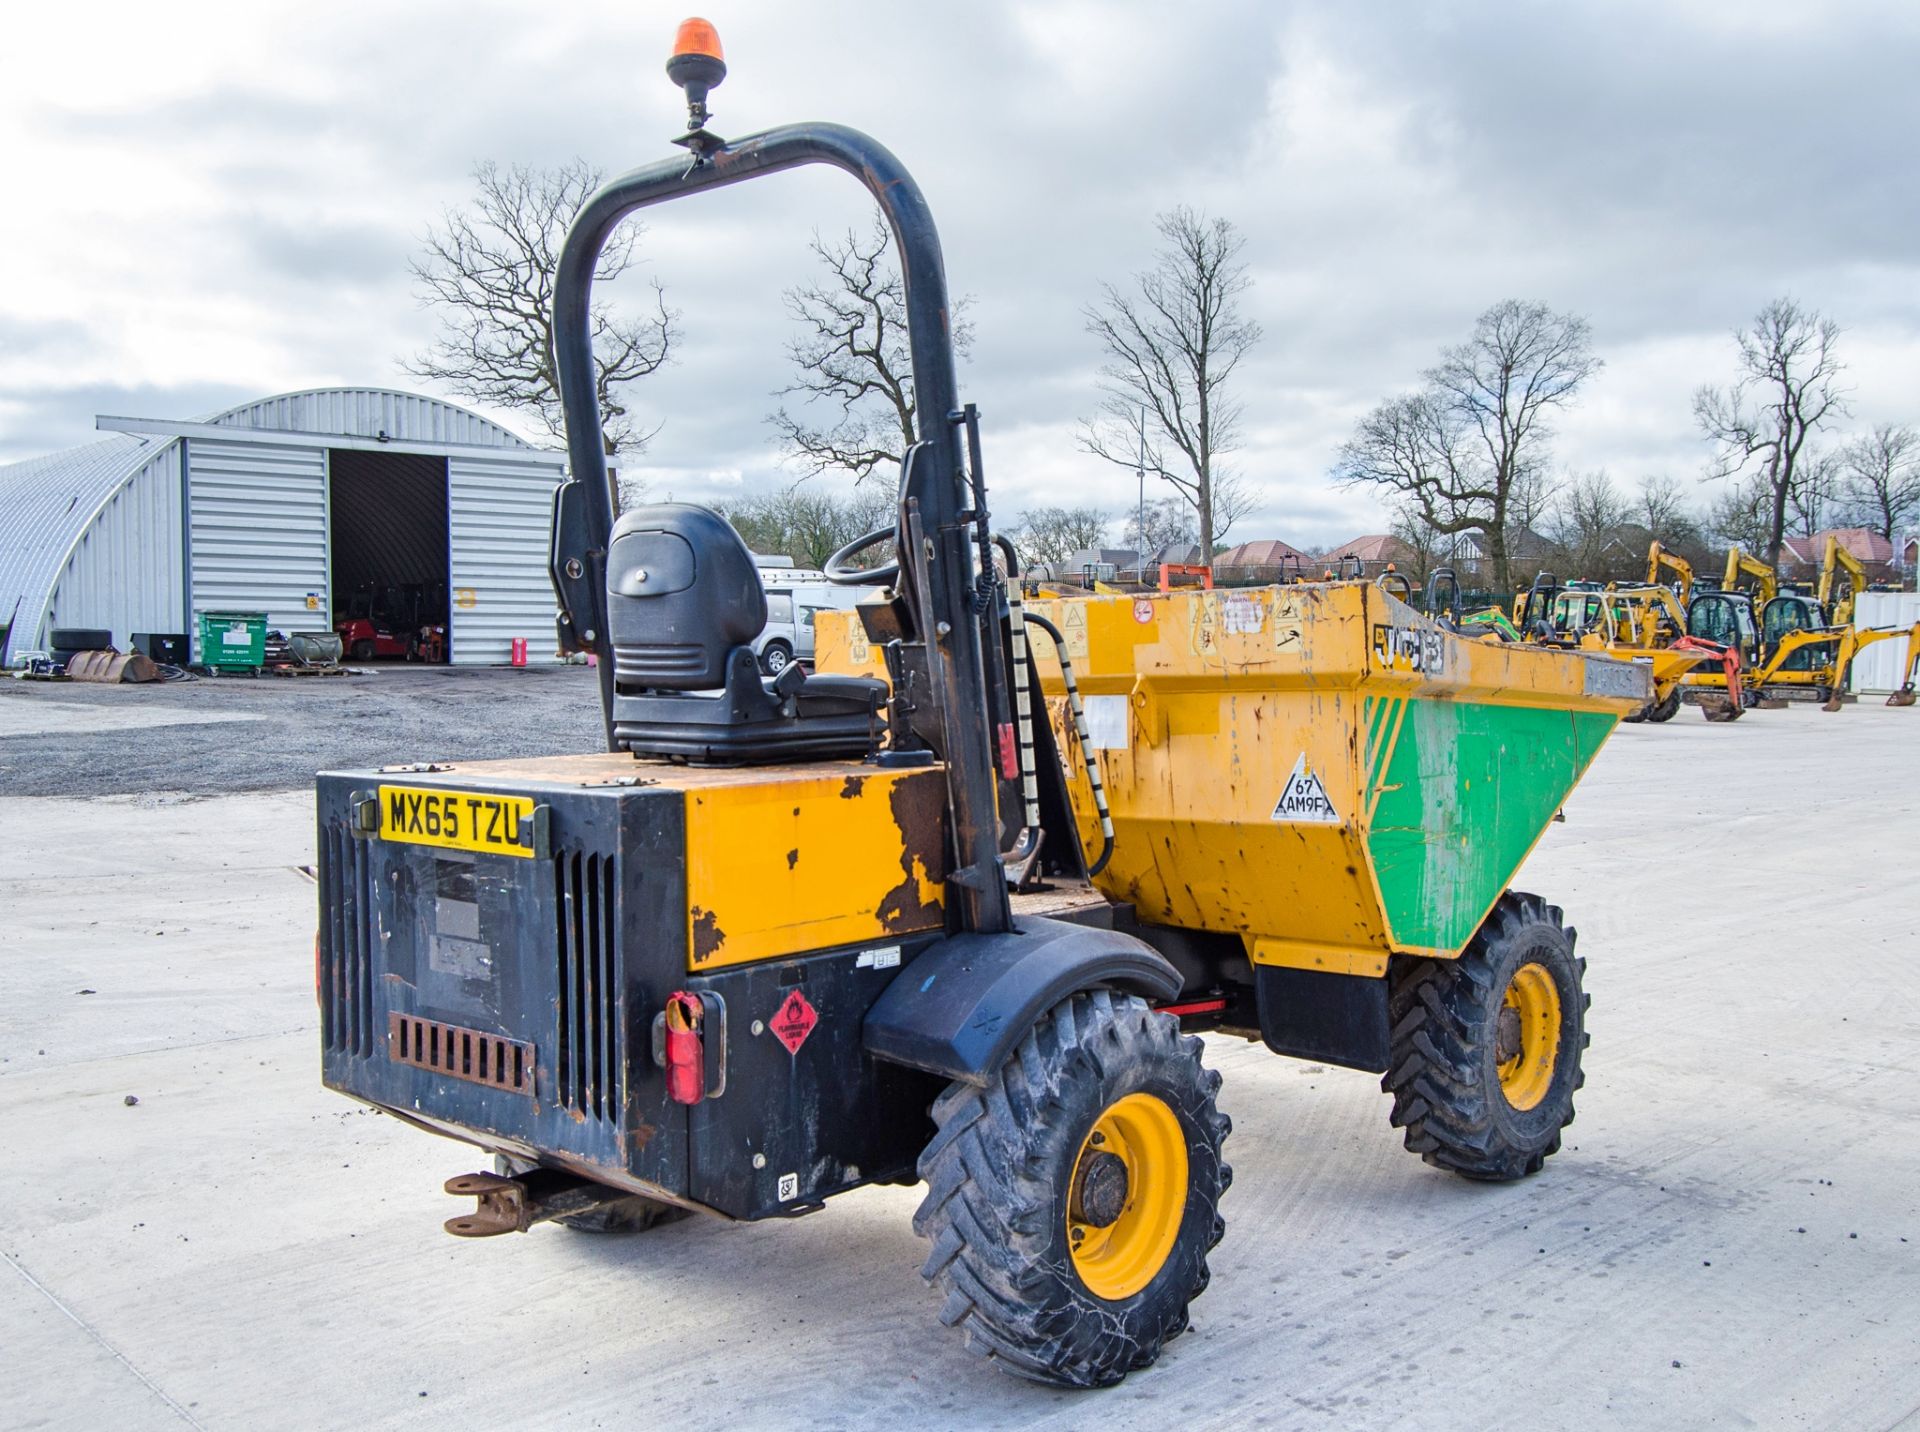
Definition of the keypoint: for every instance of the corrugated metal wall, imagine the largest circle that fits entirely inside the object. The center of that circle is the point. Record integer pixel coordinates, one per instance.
(500, 514)
(1878, 669)
(368, 412)
(257, 525)
(124, 572)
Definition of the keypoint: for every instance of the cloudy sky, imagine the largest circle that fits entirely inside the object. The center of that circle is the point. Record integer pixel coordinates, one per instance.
(207, 203)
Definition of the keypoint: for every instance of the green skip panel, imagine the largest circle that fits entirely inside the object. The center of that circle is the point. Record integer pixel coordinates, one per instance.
(1465, 794)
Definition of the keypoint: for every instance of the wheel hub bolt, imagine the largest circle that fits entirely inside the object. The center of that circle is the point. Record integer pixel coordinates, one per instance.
(1506, 1038)
(1101, 1196)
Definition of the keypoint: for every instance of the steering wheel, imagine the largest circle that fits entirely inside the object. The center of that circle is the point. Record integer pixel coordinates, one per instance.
(842, 575)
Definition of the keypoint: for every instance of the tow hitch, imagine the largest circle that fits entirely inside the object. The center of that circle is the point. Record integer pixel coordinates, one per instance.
(513, 1205)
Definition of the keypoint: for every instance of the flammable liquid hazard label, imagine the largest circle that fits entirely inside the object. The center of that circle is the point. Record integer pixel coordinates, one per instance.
(793, 1021)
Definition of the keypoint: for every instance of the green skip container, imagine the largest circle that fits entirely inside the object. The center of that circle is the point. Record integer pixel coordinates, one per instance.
(233, 640)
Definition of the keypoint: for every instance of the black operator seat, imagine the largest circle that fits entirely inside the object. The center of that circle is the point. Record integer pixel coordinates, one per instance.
(684, 603)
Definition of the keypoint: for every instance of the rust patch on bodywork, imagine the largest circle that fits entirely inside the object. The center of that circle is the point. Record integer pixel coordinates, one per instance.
(708, 937)
(853, 787)
(919, 812)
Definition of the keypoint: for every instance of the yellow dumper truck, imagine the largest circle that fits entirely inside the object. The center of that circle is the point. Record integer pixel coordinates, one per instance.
(932, 912)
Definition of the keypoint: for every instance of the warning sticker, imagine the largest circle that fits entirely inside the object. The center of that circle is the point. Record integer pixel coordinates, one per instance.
(1073, 626)
(1204, 627)
(1304, 800)
(793, 1021)
(1143, 610)
(1245, 612)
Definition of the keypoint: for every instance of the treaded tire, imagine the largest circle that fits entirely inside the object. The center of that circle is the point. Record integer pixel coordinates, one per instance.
(998, 1175)
(1444, 1071)
(629, 1215)
(1665, 710)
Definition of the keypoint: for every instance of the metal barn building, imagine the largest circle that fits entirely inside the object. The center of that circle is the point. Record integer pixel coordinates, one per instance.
(303, 506)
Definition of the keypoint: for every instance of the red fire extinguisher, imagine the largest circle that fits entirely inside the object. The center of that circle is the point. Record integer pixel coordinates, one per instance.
(519, 651)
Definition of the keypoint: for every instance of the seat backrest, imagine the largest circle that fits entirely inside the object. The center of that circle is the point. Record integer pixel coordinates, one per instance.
(682, 592)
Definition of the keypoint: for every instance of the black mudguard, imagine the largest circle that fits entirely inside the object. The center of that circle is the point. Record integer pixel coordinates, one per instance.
(960, 1008)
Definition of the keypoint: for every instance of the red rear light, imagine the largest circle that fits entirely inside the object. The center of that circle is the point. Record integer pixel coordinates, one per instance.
(686, 1058)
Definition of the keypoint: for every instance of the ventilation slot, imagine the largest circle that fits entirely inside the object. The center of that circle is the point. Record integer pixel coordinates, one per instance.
(587, 1043)
(346, 945)
(463, 1053)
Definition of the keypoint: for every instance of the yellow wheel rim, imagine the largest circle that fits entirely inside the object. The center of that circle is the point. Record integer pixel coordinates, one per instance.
(1118, 1259)
(1530, 1036)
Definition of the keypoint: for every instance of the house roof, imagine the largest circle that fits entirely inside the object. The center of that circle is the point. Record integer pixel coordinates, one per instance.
(1863, 542)
(1373, 547)
(1176, 554)
(1271, 553)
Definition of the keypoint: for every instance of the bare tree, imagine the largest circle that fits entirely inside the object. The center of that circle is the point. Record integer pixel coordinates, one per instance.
(1425, 548)
(1882, 477)
(1531, 502)
(1168, 523)
(1789, 383)
(1660, 506)
(809, 524)
(852, 360)
(1587, 526)
(1813, 499)
(1460, 449)
(1742, 513)
(1053, 534)
(1171, 349)
(489, 266)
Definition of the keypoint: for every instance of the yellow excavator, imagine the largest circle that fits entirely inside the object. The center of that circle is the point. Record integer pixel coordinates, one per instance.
(1795, 646)
(1660, 559)
(1837, 562)
(1636, 623)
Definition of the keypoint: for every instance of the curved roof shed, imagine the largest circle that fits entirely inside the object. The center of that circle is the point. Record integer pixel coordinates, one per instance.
(145, 529)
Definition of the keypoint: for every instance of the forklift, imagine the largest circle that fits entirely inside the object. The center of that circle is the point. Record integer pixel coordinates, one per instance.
(931, 914)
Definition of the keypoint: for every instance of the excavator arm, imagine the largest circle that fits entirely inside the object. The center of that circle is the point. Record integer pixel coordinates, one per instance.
(1659, 557)
(1766, 585)
(1836, 561)
(1855, 642)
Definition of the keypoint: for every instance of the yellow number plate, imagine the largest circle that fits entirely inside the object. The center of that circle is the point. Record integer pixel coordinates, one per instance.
(455, 820)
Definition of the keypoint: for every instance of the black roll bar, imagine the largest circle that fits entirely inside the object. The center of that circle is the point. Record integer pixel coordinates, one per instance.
(943, 570)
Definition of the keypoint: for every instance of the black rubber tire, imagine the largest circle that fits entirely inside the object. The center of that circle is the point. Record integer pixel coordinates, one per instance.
(1443, 1072)
(1665, 710)
(630, 1215)
(362, 650)
(998, 1174)
(775, 657)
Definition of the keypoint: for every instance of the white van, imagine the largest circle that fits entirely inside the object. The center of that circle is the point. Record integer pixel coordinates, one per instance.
(794, 594)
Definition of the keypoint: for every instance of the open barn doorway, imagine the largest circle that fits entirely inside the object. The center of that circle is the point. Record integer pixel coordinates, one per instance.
(388, 524)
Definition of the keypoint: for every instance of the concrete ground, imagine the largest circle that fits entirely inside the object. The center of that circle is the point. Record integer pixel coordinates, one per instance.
(1731, 1237)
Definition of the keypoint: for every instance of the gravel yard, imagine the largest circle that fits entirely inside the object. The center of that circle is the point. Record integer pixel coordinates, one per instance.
(215, 736)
